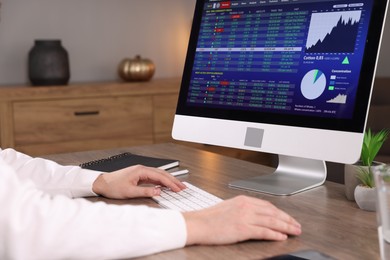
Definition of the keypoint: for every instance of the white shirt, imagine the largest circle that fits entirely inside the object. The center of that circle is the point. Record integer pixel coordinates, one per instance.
(40, 220)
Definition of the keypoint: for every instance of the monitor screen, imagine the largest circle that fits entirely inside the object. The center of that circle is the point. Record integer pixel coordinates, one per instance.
(290, 77)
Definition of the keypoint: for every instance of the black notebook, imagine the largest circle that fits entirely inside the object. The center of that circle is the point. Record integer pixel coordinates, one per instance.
(124, 160)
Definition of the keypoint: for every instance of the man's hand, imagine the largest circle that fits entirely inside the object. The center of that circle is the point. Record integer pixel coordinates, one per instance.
(239, 219)
(124, 183)
(230, 221)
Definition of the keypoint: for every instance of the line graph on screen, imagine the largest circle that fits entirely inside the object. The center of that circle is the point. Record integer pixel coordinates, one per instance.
(328, 29)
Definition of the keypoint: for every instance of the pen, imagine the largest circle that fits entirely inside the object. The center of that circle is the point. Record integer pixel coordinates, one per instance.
(180, 172)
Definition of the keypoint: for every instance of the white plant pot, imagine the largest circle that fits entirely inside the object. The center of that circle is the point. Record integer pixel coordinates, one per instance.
(366, 197)
(350, 179)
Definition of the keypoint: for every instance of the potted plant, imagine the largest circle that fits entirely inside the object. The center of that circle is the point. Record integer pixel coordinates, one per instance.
(364, 194)
(370, 148)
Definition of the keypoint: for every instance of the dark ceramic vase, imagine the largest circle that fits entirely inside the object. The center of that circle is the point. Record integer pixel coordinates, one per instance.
(48, 63)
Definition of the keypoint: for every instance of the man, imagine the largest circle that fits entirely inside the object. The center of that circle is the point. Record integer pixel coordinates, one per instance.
(41, 217)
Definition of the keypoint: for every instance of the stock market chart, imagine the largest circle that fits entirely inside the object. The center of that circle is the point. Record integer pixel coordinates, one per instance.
(301, 57)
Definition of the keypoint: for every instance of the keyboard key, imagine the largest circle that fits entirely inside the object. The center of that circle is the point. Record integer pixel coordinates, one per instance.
(191, 198)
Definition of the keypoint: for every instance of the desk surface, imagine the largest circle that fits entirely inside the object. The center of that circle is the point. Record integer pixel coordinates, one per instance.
(330, 223)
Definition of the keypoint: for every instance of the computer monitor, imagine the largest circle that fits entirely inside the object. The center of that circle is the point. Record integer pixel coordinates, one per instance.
(288, 77)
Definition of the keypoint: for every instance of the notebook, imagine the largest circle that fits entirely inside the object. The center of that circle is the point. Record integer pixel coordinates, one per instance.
(127, 159)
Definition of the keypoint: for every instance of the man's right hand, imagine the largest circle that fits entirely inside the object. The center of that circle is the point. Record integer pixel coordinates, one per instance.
(239, 219)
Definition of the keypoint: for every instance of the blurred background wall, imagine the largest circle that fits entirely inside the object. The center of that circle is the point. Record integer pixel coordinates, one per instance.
(97, 34)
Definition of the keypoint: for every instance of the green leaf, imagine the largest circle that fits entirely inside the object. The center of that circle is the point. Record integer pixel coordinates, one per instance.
(372, 143)
(366, 176)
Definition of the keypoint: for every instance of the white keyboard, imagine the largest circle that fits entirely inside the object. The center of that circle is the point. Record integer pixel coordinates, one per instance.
(191, 198)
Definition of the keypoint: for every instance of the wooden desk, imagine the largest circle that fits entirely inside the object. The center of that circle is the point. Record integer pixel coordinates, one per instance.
(331, 223)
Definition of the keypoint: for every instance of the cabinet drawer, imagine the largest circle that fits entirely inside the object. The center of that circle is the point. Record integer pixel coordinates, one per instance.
(97, 119)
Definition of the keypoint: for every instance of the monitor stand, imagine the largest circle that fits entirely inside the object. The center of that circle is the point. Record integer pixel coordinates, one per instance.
(292, 175)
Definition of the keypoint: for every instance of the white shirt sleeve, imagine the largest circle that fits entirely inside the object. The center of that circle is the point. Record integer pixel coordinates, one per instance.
(36, 225)
(55, 179)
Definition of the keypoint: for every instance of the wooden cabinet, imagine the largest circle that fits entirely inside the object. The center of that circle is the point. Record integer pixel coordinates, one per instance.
(45, 120)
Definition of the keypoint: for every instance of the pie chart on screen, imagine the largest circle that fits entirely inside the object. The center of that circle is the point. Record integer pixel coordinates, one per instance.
(313, 84)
